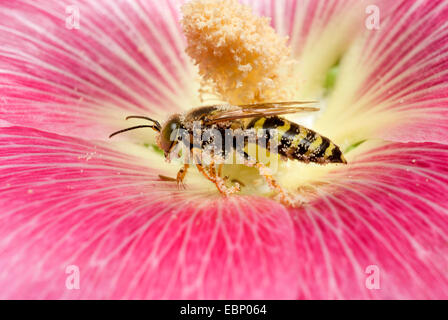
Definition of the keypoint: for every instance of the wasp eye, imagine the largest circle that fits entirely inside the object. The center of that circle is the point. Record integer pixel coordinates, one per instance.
(169, 134)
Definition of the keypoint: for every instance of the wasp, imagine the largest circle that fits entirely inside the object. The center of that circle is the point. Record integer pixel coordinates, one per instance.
(294, 141)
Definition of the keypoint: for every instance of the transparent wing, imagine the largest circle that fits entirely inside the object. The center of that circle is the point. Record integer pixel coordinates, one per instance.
(227, 113)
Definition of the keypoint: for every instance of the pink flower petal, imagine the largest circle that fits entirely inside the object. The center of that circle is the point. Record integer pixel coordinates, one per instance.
(320, 32)
(67, 202)
(126, 57)
(393, 82)
(389, 211)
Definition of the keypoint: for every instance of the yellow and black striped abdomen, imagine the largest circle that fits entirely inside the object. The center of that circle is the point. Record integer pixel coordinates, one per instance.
(297, 142)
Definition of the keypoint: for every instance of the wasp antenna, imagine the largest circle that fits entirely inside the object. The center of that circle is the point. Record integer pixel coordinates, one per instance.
(145, 118)
(133, 128)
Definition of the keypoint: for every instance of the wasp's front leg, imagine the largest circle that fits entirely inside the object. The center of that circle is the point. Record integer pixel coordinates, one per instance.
(181, 176)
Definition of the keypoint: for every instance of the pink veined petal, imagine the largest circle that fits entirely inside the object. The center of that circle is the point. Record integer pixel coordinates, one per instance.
(393, 82)
(320, 32)
(126, 57)
(66, 202)
(388, 209)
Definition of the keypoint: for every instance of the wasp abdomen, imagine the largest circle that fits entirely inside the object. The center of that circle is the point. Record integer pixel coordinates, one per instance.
(297, 142)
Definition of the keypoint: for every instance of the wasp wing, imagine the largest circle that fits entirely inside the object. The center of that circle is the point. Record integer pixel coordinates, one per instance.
(228, 113)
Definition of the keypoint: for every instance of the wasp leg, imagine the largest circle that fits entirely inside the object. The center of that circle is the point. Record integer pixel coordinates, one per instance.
(206, 174)
(219, 182)
(210, 174)
(265, 172)
(165, 178)
(220, 169)
(237, 183)
(181, 176)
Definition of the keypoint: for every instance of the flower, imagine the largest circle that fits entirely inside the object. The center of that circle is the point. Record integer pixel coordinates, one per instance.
(73, 200)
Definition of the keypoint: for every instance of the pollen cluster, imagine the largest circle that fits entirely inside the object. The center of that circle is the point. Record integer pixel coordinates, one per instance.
(237, 52)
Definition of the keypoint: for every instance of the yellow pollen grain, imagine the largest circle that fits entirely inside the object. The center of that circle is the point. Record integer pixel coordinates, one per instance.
(238, 52)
